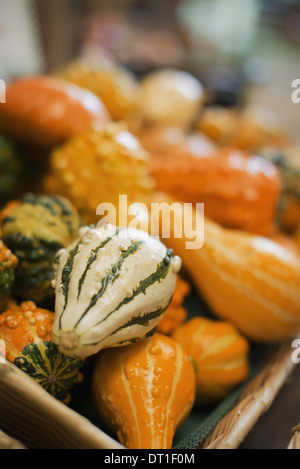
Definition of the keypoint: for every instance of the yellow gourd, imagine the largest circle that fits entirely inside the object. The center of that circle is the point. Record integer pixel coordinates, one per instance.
(145, 391)
(219, 354)
(246, 279)
(97, 167)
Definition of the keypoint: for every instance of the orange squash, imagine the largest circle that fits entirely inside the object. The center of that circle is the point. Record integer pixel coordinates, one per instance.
(145, 391)
(233, 185)
(46, 111)
(219, 354)
(176, 313)
(248, 280)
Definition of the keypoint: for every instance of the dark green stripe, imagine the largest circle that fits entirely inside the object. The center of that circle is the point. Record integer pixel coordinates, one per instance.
(110, 277)
(143, 320)
(65, 276)
(156, 276)
(43, 201)
(92, 258)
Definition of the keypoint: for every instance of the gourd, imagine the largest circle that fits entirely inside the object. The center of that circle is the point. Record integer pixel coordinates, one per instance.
(176, 313)
(145, 391)
(219, 354)
(8, 263)
(115, 86)
(248, 280)
(233, 186)
(46, 111)
(251, 129)
(10, 170)
(259, 127)
(219, 123)
(26, 333)
(35, 228)
(97, 167)
(171, 97)
(112, 287)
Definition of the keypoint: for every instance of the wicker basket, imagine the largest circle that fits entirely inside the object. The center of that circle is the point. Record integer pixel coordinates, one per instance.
(33, 417)
(254, 402)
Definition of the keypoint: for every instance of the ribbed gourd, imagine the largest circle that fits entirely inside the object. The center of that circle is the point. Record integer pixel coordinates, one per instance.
(219, 354)
(26, 333)
(145, 391)
(35, 228)
(97, 167)
(8, 263)
(246, 279)
(10, 170)
(112, 287)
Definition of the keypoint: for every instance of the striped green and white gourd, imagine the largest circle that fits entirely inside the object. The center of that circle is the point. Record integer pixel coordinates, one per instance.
(34, 229)
(112, 288)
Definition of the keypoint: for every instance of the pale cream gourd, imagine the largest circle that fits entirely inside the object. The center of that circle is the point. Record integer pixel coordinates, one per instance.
(112, 287)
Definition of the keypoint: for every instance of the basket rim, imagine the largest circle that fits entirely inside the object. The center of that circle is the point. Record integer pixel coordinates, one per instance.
(254, 401)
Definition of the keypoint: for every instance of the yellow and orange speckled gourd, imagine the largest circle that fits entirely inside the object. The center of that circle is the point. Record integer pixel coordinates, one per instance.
(145, 391)
(97, 167)
(249, 280)
(219, 354)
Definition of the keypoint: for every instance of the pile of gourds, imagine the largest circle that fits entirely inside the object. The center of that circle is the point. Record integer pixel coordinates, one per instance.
(115, 291)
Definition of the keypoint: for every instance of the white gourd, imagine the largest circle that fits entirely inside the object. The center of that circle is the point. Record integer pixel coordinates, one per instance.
(112, 287)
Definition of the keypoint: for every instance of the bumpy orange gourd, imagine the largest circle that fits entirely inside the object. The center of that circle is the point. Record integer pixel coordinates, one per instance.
(176, 313)
(97, 167)
(220, 356)
(248, 280)
(26, 332)
(234, 186)
(22, 325)
(145, 391)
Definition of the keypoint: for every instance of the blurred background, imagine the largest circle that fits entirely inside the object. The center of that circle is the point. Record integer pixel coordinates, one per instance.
(242, 51)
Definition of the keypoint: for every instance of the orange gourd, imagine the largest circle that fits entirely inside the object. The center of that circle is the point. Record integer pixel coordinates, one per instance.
(248, 280)
(176, 313)
(233, 185)
(144, 391)
(26, 332)
(46, 111)
(219, 354)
